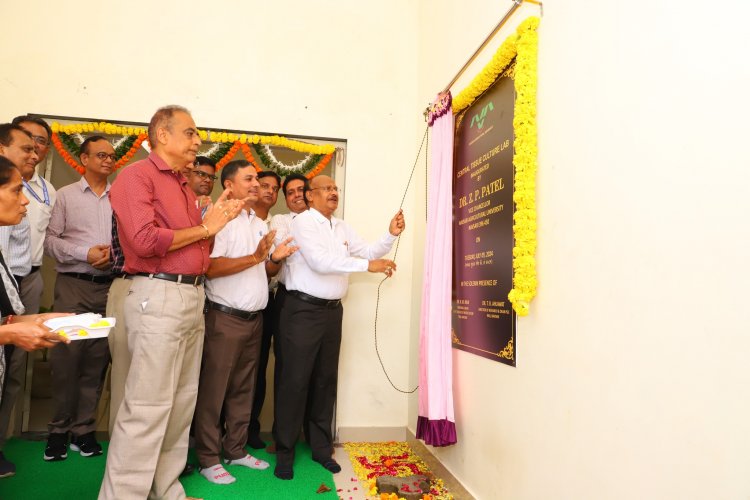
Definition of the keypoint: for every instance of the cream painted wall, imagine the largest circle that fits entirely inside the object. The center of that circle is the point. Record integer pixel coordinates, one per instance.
(330, 69)
(632, 375)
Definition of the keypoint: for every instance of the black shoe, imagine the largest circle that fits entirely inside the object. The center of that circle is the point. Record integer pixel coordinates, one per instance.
(7, 468)
(284, 472)
(330, 464)
(86, 444)
(254, 442)
(189, 469)
(57, 447)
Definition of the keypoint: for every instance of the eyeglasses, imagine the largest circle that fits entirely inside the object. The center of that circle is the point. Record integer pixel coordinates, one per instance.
(204, 175)
(103, 156)
(329, 189)
(42, 141)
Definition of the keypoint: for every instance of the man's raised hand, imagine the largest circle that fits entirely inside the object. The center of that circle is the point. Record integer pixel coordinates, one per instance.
(398, 224)
(220, 213)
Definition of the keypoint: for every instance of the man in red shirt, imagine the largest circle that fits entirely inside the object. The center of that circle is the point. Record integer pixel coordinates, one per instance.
(166, 249)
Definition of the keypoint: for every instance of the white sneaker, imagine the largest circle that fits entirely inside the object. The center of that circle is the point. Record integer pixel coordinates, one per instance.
(249, 461)
(218, 475)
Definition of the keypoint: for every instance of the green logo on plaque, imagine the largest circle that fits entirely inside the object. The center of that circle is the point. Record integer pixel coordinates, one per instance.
(479, 117)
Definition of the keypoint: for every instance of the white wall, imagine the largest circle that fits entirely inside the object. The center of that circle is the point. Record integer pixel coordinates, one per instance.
(328, 69)
(632, 377)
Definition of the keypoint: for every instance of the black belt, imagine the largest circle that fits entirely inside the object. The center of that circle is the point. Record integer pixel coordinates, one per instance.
(186, 279)
(239, 313)
(314, 300)
(93, 278)
(19, 279)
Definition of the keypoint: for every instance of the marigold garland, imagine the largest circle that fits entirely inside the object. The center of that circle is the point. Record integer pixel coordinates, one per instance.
(125, 158)
(228, 157)
(65, 145)
(229, 143)
(101, 127)
(523, 46)
(321, 166)
(249, 157)
(57, 142)
(213, 136)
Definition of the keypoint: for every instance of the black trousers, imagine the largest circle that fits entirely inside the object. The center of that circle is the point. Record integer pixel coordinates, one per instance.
(310, 340)
(270, 327)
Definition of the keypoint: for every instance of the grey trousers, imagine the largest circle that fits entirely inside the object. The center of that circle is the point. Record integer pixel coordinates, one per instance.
(78, 368)
(32, 287)
(164, 325)
(118, 346)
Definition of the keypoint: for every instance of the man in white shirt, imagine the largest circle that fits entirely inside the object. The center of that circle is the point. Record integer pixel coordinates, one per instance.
(42, 196)
(293, 190)
(236, 293)
(310, 329)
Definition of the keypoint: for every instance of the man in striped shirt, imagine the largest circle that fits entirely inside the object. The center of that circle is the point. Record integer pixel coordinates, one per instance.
(78, 238)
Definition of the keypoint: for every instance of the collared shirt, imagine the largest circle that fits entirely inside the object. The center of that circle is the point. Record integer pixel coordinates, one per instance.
(151, 202)
(273, 281)
(282, 223)
(247, 289)
(39, 213)
(328, 251)
(80, 220)
(116, 256)
(15, 243)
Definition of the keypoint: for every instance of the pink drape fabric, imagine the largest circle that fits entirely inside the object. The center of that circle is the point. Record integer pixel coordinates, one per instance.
(436, 423)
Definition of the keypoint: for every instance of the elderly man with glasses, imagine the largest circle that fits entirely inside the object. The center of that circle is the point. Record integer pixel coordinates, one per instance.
(311, 315)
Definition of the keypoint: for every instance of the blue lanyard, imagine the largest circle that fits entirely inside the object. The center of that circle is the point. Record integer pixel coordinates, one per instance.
(36, 196)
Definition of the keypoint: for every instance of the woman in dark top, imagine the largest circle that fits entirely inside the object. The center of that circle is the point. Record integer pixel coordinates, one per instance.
(26, 332)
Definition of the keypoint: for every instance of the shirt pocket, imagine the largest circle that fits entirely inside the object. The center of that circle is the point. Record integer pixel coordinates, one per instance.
(341, 246)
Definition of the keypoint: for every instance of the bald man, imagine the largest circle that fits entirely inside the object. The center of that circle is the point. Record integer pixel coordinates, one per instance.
(310, 329)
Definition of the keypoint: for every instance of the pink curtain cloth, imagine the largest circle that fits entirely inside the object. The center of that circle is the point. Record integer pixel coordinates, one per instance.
(436, 424)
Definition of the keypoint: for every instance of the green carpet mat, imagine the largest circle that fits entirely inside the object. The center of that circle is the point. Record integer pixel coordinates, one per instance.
(79, 478)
